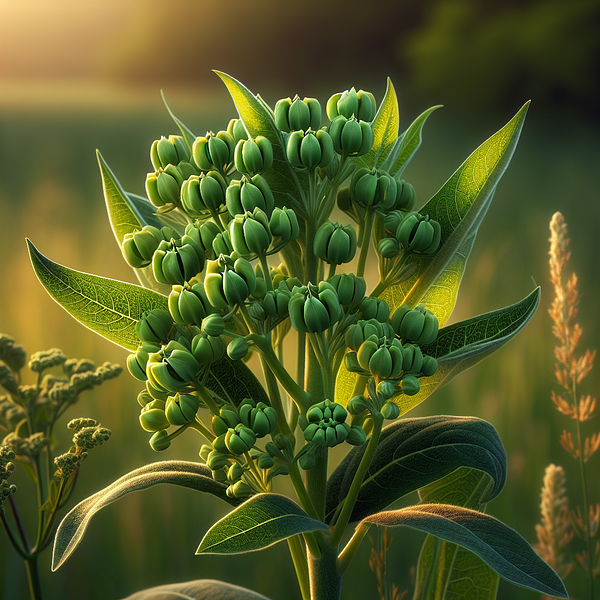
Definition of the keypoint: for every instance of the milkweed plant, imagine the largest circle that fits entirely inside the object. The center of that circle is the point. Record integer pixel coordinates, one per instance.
(240, 256)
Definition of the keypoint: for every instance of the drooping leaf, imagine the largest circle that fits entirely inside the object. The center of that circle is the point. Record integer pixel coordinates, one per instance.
(260, 522)
(182, 473)
(385, 131)
(445, 570)
(407, 145)
(466, 343)
(501, 547)
(286, 184)
(412, 453)
(459, 206)
(108, 307)
(201, 589)
(188, 136)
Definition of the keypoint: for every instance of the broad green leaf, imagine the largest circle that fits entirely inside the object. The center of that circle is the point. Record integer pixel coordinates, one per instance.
(232, 379)
(260, 522)
(201, 589)
(286, 184)
(126, 212)
(459, 206)
(412, 453)
(188, 136)
(385, 131)
(108, 307)
(501, 547)
(446, 571)
(182, 473)
(464, 344)
(407, 145)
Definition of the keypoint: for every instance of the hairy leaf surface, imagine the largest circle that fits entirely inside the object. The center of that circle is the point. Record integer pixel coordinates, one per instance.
(412, 453)
(201, 589)
(182, 473)
(260, 522)
(501, 547)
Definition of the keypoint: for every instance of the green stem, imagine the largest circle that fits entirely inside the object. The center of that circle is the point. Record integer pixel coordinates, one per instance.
(347, 554)
(275, 397)
(33, 577)
(20, 529)
(350, 500)
(266, 272)
(301, 491)
(206, 398)
(366, 242)
(325, 579)
(298, 553)
(200, 427)
(331, 273)
(301, 360)
(18, 549)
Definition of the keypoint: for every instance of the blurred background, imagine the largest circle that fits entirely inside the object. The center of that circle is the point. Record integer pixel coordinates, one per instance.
(76, 76)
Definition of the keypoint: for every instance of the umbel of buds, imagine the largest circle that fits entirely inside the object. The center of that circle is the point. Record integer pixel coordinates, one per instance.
(314, 309)
(335, 243)
(326, 424)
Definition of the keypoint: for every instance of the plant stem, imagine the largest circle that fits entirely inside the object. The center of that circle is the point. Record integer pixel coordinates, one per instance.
(301, 491)
(350, 500)
(17, 519)
(347, 554)
(33, 577)
(366, 242)
(325, 579)
(298, 553)
(11, 537)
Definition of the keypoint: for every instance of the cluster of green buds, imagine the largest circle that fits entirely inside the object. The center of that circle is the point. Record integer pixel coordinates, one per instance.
(253, 156)
(410, 233)
(139, 246)
(229, 282)
(314, 308)
(176, 261)
(417, 325)
(335, 243)
(214, 151)
(6, 469)
(326, 426)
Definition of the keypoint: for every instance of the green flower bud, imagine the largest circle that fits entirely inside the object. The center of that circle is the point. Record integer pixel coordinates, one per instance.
(144, 398)
(390, 411)
(153, 418)
(189, 305)
(382, 359)
(172, 369)
(176, 262)
(138, 247)
(392, 221)
(417, 325)
(250, 233)
(356, 436)
(220, 475)
(208, 349)
(222, 422)
(246, 194)
(181, 409)
(203, 235)
(228, 283)
(412, 358)
(217, 460)
(213, 325)
(234, 473)
(374, 308)
(310, 149)
(420, 234)
(298, 114)
(236, 129)
(357, 333)
(350, 103)
(357, 405)
(205, 450)
(253, 155)
(222, 244)
(155, 393)
(388, 247)
(429, 366)
(169, 151)
(240, 440)
(154, 326)
(350, 137)
(406, 197)
(373, 188)
(350, 288)
(160, 441)
(239, 490)
(386, 389)
(204, 193)
(164, 186)
(276, 302)
(262, 419)
(410, 385)
(284, 224)
(326, 424)
(351, 363)
(313, 309)
(214, 151)
(137, 362)
(238, 349)
(335, 243)
(265, 461)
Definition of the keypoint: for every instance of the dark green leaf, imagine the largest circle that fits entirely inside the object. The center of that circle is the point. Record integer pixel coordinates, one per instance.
(407, 145)
(201, 589)
(286, 184)
(260, 522)
(108, 307)
(464, 344)
(232, 379)
(459, 206)
(446, 570)
(385, 131)
(412, 453)
(186, 474)
(501, 547)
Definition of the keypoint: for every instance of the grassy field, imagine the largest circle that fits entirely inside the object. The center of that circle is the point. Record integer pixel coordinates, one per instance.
(50, 192)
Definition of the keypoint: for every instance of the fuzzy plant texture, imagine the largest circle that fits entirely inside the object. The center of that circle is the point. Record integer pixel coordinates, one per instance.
(239, 260)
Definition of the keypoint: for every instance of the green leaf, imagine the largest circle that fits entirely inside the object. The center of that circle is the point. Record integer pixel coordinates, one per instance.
(201, 589)
(188, 136)
(260, 522)
(501, 547)
(466, 343)
(412, 453)
(182, 473)
(233, 379)
(286, 184)
(446, 570)
(108, 307)
(459, 206)
(407, 145)
(385, 131)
